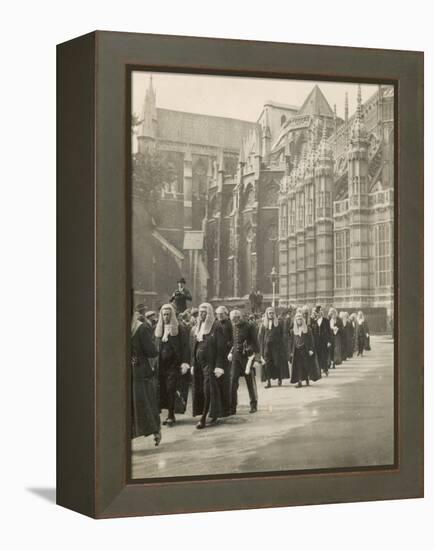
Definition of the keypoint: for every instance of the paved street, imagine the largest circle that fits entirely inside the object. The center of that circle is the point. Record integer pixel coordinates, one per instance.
(345, 420)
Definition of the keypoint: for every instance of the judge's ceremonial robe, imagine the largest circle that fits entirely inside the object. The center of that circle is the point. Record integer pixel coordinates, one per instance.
(303, 364)
(205, 384)
(145, 411)
(173, 385)
(322, 338)
(273, 350)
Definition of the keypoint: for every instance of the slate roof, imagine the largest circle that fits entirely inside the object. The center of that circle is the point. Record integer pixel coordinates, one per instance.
(199, 129)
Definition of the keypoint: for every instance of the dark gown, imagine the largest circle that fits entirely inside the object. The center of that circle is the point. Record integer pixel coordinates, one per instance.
(223, 334)
(303, 364)
(362, 338)
(336, 348)
(273, 350)
(322, 338)
(144, 405)
(204, 361)
(349, 339)
(180, 347)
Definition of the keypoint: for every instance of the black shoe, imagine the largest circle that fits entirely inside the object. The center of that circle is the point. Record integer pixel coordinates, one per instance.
(307, 383)
(326, 372)
(268, 385)
(299, 385)
(157, 438)
(200, 425)
(253, 409)
(279, 383)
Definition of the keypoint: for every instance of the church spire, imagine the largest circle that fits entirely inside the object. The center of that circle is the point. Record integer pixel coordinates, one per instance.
(358, 134)
(346, 119)
(149, 122)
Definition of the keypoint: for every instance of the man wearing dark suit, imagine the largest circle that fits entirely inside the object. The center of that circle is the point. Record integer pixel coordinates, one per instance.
(244, 346)
(181, 296)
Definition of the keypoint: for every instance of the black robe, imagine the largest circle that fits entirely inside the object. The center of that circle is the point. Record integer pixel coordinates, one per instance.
(303, 364)
(181, 347)
(348, 338)
(207, 376)
(362, 338)
(223, 335)
(144, 405)
(336, 348)
(273, 350)
(322, 338)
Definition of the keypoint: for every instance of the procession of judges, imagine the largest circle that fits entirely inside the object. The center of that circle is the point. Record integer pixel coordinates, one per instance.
(179, 348)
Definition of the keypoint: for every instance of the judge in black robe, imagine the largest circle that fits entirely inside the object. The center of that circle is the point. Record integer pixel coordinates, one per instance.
(302, 351)
(172, 341)
(362, 334)
(322, 338)
(205, 369)
(272, 349)
(145, 411)
(348, 335)
(336, 328)
(223, 334)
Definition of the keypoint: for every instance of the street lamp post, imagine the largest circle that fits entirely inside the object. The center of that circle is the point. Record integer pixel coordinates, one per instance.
(274, 276)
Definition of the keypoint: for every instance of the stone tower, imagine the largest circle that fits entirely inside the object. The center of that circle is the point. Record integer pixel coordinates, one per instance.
(358, 209)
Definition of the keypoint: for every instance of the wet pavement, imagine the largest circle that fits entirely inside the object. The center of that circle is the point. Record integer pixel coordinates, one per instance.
(345, 420)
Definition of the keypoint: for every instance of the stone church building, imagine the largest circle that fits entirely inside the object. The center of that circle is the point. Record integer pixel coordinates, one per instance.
(301, 190)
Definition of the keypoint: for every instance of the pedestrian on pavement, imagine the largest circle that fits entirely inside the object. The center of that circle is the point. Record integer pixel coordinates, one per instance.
(173, 363)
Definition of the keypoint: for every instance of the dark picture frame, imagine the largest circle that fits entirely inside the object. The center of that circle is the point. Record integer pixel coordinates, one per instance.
(93, 443)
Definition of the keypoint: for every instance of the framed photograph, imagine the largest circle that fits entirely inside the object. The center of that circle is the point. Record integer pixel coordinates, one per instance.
(240, 274)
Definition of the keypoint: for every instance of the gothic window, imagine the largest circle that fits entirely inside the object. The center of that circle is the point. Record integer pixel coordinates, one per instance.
(300, 211)
(342, 259)
(292, 216)
(383, 254)
(283, 220)
(272, 232)
(249, 197)
(229, 205)
(213, 206)
(271, 196)
(310, 205)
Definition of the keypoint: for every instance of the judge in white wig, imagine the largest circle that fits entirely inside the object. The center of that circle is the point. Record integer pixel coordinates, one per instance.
(302, 351)
(205, 368)
(272, 349)
(173, 360)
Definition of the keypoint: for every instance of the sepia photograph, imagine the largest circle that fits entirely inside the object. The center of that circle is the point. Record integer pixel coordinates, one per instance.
(262, 274)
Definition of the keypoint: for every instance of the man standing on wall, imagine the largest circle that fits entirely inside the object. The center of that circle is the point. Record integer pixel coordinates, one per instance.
(181, 296)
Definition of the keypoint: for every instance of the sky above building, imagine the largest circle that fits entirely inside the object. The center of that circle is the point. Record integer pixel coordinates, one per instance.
(237, 97)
